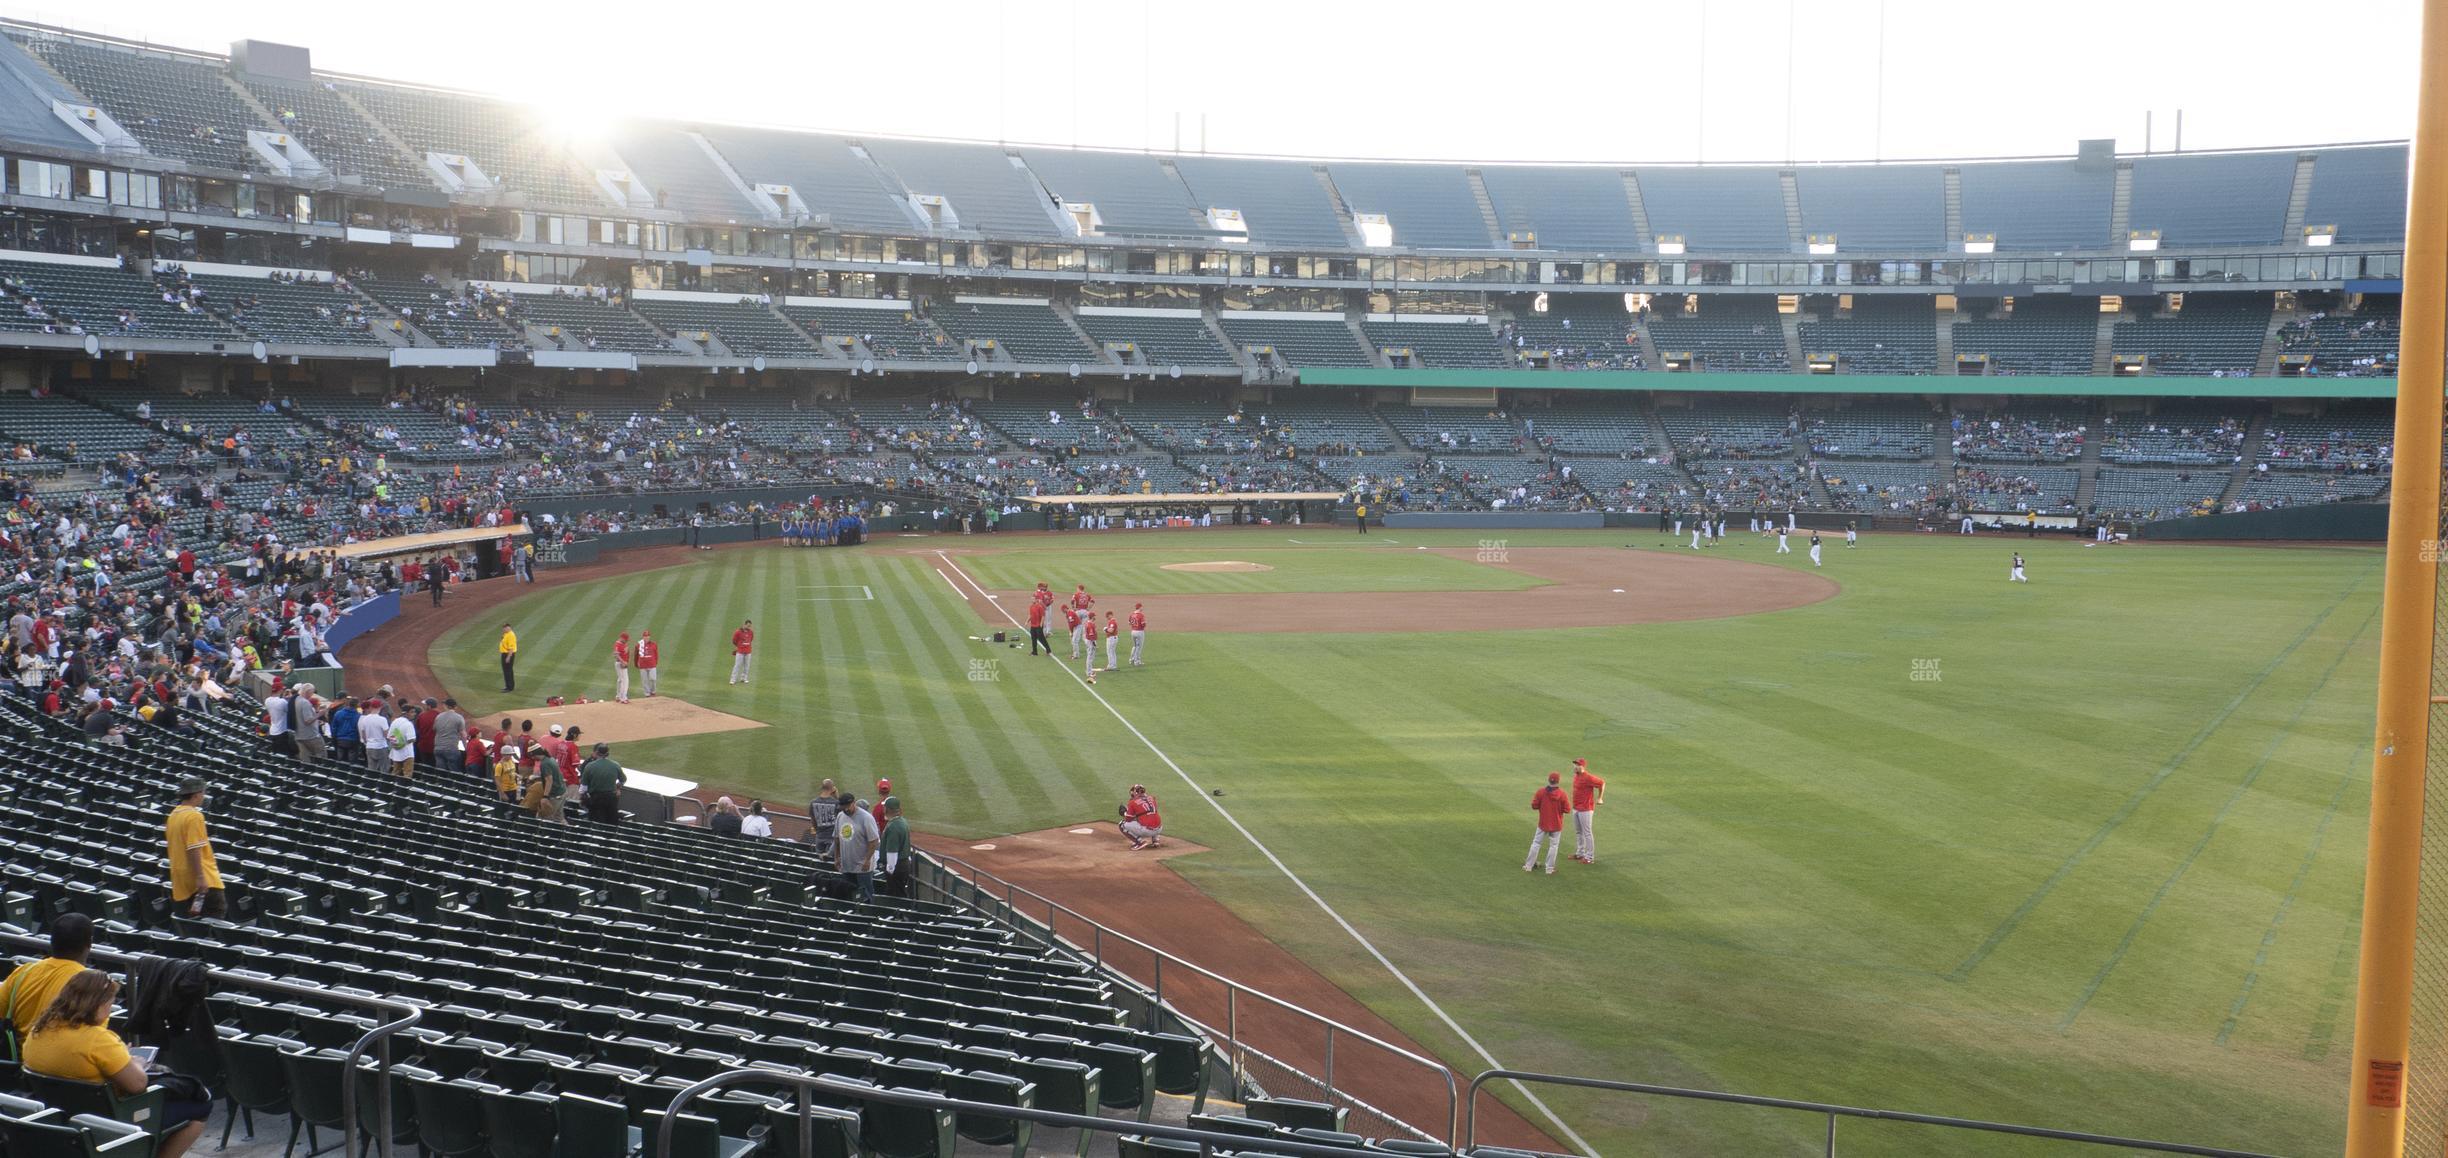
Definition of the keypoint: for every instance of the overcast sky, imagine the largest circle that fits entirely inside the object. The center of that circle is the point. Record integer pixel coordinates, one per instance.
(1554, 80)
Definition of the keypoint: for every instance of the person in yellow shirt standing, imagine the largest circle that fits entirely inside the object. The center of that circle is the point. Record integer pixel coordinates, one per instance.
(509, 656)
(195, 881)
(30, 987)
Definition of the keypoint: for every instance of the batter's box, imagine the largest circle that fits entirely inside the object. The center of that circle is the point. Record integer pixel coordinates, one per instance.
(836, 592)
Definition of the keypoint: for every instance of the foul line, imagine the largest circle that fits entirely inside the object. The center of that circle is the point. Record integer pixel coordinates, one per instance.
(963, 596)
(1574, 1138)
(2133, 803)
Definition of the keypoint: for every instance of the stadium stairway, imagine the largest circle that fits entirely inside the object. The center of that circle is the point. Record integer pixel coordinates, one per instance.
(2103, 356)
(1377, 358)
(1791, 324)
(2086, 484)
(2256, 433)
(2266, 364)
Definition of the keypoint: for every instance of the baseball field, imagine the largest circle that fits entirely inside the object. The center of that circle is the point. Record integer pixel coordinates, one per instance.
(2084, 852)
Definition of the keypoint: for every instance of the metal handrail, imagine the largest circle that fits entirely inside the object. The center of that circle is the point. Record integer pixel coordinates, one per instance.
(1470, 1115)
(1209, 1141)
(1095, 952)
(376, 1039)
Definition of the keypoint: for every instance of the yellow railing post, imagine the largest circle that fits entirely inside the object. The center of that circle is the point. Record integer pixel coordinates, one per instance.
(2375, 1112)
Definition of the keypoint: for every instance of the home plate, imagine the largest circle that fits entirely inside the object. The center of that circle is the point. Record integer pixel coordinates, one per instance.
(981, 848)
(1083, 832)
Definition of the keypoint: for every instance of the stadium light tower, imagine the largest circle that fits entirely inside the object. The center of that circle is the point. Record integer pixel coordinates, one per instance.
(2401, 893)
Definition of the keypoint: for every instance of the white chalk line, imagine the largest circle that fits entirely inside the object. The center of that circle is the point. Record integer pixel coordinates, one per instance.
(1569, 1134)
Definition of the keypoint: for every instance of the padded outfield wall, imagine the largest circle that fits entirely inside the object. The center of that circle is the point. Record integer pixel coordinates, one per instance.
(2328, 522)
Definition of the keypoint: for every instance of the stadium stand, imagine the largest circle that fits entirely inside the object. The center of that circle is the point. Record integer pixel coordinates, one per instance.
(1025, 328)
(337, 135)
(1297, 340)
(2355, 344)
(1630, 484)
(1578, 332)
(1869, 428)
(889, 333)
(1615, 429)
(2039, 433)
(1741, 210)
(101, 300)
(2266, 489)
(580, 320)
(1133, 194)
(2344, 440)
(1428, 206)
(1056, 425)
(510, 144)
(2174, 434)
(831, 174)
(986, 191)
(744, 326)
(1280, 202)
(1158, 338)
(1564, 207)
(2038, 205)
(1890, 207)
(1468, 344)
(2022, 488)
(1882, 487)
(178, 105)
(451, 317)
(1447, 430)
(67, 430)
(2356, 190)
(679, 175)
(1730, 427)
(2213, 334)
(2212, 199)
(280, 310)
(2033, 334)
(1730, 332)
(203, 416)
(1751, 484)
(1879, 335)
(1331, 429)
(2157, 494)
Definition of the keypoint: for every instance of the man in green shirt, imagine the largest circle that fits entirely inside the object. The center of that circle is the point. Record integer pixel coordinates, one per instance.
(545, 787)
(602, 780)
(899, 867)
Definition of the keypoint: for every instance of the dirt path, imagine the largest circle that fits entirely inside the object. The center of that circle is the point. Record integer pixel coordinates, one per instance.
(1586, 587)
(1095, 874)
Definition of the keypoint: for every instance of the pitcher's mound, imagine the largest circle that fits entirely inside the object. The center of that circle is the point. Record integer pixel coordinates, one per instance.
(1226, 565)
(642, 718)
(1085, 850)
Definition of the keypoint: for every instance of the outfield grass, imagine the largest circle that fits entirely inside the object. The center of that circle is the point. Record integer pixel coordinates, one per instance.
(2103, 871)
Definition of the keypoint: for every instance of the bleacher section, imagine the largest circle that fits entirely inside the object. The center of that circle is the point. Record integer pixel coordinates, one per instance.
(1281, 202)
(678, 174)
(179, 106)
(2212, 199)
(1741, 210)
(744, 327)
(1868, 428)
(2156, 494)
(1892, 207)
(66, 429)
(2342, 440)
(1298, 342)
(2041, 334)
(302, 313)
(1619, 429)
(828, 172)
(411, 431)
(1439, 344)
(1177, 338)
(2361, 192)
(210, 417)
(1325, 428)
(2214, 334)
(2038, 205)
(1428, 206)
(1580, 332)
(890, 333)
(1880, 335)
(585, 322)
(1444, 430)
(1729, 332)
(1026, 329)
(1133, 194)
(1563, 207)
(449, 317)
(1881, 487)
(1631, 483)
(2295, 488)
(569, 980)
(102, 301)
(1752, 484)
(1056, 425)
(2016, 488)
(978, 181)
(344, 141)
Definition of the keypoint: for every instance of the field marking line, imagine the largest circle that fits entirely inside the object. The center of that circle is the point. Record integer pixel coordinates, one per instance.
(1569, 1134)
(2134, 802)
(957, 593)
(2269, 937)
(2243, 788)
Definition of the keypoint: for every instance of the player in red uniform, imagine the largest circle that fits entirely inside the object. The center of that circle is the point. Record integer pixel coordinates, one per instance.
(743, 642)
(1588, 792)
(649, 657)
(1113, 643)
(1079, 604)
(1138, 628)
(620, 669)
(1037, 635)
(1551, 803)
(1071, 623)
(1140, 820)
(1088, 624)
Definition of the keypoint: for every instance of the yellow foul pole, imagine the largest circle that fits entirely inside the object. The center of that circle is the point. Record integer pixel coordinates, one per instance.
(2375, 1112)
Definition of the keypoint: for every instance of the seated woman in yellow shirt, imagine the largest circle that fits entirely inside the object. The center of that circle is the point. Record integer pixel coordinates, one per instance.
(72, 1040)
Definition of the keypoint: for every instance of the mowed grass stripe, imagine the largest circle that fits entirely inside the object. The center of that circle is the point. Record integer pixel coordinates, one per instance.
(933, 675)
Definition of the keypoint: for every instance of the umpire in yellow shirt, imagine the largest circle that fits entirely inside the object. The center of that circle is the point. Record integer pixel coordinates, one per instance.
(509, 654)
(195, 881)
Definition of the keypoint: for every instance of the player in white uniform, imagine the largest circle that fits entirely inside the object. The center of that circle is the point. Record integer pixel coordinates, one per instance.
(1967, 525)
(1814, 548)
(2017, 575)
(1784, 546)
(1852, 534)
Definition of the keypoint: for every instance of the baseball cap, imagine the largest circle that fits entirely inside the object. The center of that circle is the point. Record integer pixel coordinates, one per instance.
(1555, 778)
(1581, 762)
(883, 785)
(556, 729)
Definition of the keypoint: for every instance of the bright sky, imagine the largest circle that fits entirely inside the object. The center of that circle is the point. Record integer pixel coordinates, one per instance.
(1564, 80)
